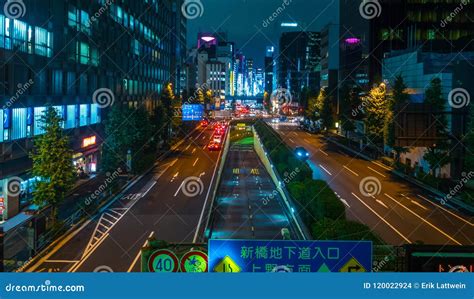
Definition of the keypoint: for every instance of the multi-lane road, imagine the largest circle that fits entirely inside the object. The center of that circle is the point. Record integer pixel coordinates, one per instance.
(400, 212)
(247, 203)
(169, 203)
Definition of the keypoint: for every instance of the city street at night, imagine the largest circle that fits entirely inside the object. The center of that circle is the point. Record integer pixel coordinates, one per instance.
(150, 147)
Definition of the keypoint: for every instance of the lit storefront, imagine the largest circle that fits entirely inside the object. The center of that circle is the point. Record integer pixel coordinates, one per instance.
(85, 161)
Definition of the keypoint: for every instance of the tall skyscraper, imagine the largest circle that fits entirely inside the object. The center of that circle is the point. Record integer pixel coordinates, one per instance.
(298, 62)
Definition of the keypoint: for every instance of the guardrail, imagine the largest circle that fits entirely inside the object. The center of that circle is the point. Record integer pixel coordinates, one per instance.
(262, 153)
(225, 151)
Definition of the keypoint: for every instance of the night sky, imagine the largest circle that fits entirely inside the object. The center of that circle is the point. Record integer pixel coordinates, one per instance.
(243, 21)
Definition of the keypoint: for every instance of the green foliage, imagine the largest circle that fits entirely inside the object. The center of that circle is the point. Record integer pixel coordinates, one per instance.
(376, 112)
(52, 162)
(330, 229)
(126, 129)
(437, 155)
(399, 96)
(315, 202)
(469, 142)
(323, 104)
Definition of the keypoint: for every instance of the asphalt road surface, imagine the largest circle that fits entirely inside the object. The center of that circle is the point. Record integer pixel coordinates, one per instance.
(168, 203)
(247, 203)
(401, 212)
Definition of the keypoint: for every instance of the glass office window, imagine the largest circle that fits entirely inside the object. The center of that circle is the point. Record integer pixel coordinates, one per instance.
(83, 115)
(57, 82)
(60, 111)
(70, 117)
(18, 123)
(82, 53)
(43, 42)
(20, 35)
(39, 111)
(1, 125)
(95, 114)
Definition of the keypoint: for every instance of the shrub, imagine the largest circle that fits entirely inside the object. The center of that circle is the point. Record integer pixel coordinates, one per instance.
(329, 229)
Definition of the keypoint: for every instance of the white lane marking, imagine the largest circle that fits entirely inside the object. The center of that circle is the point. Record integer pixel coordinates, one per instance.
(179, 189)
(203, 137)
(446, 210)
(383, 219)
(424, 220)
(419, 204)
(325, 169)
(353, 172)
(207, 197)
(174, 176)
(140, 252)
(291, 140)
(381, 174)
(152, 185)
(89, 253)
(194, 150)
(381, 203)
(382, 166)
(323, 152)
(187, 147)
(345, 202)
(307, 141)
(194, 164)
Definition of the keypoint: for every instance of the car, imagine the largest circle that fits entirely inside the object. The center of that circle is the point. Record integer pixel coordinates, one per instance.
(217, 138)
(204, 123)
(301, 153)
(214, 146)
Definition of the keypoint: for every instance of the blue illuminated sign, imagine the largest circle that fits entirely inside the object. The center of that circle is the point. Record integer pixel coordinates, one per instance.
(7, 113)
(289, 256)
(193, 112)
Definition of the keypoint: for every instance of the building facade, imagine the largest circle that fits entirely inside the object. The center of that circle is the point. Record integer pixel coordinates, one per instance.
(60, 54)
(415, 129)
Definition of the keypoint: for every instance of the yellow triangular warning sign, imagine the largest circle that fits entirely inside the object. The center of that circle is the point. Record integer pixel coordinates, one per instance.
(227, 265)
(352, 266)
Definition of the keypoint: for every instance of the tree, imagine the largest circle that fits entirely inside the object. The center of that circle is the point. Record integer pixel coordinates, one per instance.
(323, 104)
(167, 99)
(437, 155)
(376, 111)
(345, 117)
(469, 143)
(126, 129)
(398, 97)
(52, 163)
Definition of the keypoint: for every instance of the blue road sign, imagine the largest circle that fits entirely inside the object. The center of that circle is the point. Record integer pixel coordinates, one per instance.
(289, 256)
(193, 112)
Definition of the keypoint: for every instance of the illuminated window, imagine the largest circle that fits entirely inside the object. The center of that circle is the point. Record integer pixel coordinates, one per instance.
(38, 112)
(70, 121)
(43, 42)
(83, 115)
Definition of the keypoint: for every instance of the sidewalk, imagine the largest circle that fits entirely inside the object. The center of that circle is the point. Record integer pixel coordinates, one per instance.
(453, 203)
